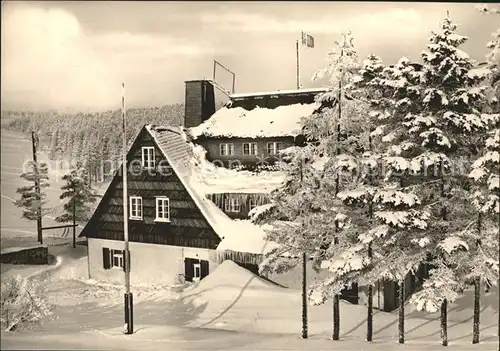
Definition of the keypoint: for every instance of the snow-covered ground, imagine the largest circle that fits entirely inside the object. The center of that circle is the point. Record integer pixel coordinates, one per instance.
(230, 309)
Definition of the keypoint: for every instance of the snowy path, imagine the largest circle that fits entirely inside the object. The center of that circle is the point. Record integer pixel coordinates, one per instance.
(167, 338)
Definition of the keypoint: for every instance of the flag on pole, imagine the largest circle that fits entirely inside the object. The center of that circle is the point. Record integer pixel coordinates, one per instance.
(307, 40)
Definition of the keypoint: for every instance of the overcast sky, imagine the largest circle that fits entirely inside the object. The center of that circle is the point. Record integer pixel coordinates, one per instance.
(74, 55)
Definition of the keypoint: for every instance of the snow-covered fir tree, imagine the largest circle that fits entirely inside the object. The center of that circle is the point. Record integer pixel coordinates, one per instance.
(398, 233)
(339, 134)
(443, 130)
(356, 161)
(493, 57)
(483, 262)
(78, 194)
(32, 202)
(289, 217)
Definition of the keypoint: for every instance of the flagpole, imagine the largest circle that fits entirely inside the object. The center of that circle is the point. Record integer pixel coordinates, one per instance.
(298, 65)
(129, 322)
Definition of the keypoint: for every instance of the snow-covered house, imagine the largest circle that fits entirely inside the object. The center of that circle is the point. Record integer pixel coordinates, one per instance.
(180, 203)
(251, 129)
(246, 134)
(175, 231)
(188, 207)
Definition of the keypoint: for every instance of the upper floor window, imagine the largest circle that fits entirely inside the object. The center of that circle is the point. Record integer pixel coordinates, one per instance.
(135, 207)
(226, 149)
(148, 157)
(162, 209)
(274, 148)
(250, 149)
(232, 205)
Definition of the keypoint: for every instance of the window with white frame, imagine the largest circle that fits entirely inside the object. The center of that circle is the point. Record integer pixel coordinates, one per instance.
(112, 258)
(249, 149)
(135, 207)
(148, 157)
(232, 205)
(226, 149)
(162, 209)
(274, 147)
(116, 258)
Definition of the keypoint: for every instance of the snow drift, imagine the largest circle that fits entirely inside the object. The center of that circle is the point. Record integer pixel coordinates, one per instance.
(229, 275)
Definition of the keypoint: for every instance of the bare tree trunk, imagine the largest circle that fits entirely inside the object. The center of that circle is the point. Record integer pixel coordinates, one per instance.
(477, 296)
(444, 322)
(304, 296)
(498, 286)
(336, 317)
(401, 324)
(369, 332)
(477, 291)
(369, 319)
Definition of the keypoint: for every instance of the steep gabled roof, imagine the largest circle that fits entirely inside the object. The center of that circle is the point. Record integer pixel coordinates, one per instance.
(173, 145)
(178, 152)
(236, 235)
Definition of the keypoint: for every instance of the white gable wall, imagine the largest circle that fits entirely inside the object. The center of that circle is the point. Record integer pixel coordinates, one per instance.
(150, 263)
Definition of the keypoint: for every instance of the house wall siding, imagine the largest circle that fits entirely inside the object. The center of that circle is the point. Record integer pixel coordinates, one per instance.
(149, 263)
(262, 157)
(187, 226)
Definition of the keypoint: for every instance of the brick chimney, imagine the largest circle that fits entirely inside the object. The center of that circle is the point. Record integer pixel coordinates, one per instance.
(199, 103)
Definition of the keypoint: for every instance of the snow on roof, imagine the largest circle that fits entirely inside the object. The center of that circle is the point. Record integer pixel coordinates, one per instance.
(278, 92)
(217, 180)
(242, 236)
(22, 248)
(259, 122)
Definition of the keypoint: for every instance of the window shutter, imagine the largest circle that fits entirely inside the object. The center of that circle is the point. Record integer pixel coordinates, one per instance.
(188, 269)
(204, 269)
(105, 258)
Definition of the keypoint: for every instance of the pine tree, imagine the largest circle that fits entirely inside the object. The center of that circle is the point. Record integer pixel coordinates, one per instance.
(31, 201)
(444, 128)
(336, 132)
(293, 204)
(368, 90)
(79, 195)
(493, 57)
(400, 223)
(484, 262)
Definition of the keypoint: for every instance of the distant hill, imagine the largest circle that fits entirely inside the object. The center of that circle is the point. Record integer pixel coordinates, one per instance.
(93, 138)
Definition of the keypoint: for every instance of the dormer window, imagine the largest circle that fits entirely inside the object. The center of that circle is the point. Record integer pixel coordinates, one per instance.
(250, 149)
(148, 157)
(226, 149)
(274, 148)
